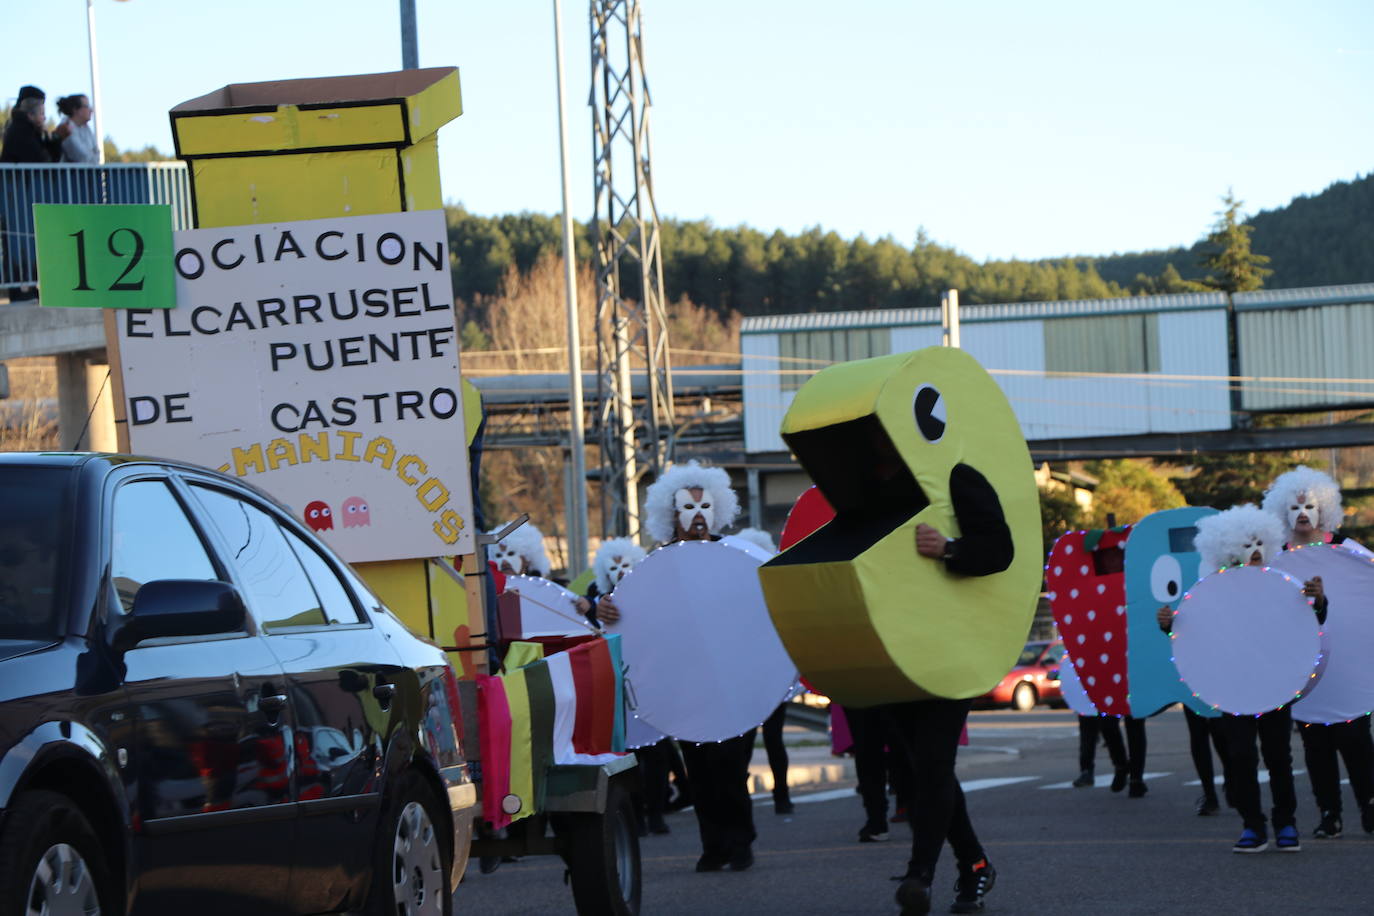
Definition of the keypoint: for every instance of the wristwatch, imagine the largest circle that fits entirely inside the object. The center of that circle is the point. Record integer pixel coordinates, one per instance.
(949, 549)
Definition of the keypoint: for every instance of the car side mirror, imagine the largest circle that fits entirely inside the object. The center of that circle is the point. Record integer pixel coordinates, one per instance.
(1053, 673)
(183, 607)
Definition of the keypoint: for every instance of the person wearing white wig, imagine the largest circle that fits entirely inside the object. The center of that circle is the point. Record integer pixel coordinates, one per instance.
(1249, 536)
(1241, 536)
(520, 553)
(758, 537)
(693, 502)
(1308, 503)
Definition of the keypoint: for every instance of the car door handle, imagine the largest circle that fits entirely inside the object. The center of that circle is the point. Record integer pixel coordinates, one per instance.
(384, 693)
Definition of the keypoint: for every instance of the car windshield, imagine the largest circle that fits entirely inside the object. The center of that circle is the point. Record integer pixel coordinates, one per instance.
(30, 551)
(1030, 654)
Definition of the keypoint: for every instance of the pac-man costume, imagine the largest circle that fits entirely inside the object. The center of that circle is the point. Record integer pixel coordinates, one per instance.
(893, 442)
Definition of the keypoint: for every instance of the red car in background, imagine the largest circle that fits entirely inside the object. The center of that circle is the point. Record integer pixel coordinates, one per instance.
(1033, 679)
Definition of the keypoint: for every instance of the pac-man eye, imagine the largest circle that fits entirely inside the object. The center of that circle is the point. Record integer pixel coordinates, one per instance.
(1166, 579)
(325, 512)
(929, 407)
(314, 513)
(352, 508)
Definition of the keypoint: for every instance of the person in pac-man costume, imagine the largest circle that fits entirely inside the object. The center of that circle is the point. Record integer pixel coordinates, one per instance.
(920, 591)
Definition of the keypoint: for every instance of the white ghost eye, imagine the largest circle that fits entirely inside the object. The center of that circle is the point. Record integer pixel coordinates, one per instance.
(1166, 579)
(929, 409)
(325, 512)
(314, 513)
(352, 508)
(362, 507)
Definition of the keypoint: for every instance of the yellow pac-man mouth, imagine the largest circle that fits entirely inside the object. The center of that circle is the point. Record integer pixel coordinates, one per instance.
(864, 478)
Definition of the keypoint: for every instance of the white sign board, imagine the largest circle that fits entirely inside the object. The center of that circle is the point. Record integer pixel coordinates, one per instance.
(318, 360)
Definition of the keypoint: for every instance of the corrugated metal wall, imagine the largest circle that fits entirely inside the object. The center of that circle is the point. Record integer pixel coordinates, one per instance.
(1287, 346)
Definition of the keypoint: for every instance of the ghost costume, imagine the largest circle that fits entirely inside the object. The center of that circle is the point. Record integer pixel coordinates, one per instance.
(522, 551)
(719, 770)
(1301, 492)
(1237, 537)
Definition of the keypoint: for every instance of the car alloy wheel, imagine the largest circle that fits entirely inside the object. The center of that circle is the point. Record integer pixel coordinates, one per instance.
(417, 873)
(62, 885)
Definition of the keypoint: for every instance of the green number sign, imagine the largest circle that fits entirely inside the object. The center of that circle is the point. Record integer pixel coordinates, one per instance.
(105, 256)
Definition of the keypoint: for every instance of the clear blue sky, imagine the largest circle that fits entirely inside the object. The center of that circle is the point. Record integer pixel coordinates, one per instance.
(1006, 129)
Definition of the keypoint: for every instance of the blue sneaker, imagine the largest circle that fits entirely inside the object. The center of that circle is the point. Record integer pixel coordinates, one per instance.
(1251, 841)
(1287, 839)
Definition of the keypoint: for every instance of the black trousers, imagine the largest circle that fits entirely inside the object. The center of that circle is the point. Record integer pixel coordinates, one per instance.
(869, 728)
(720, 793)
(1201, 731)
(1136, 746)
(1274, 731)
(1321, 744)
(774, 746)
(653, 771)
(1090, 729)
(928, 731)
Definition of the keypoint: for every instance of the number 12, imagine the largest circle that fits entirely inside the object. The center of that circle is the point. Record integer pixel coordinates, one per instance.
(120, 285)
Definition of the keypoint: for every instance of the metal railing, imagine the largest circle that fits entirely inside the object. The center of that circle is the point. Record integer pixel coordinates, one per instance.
(22, 186)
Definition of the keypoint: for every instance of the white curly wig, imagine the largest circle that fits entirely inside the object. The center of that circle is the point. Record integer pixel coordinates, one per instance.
(528, 542)
(1221, 538)
(1319, 487)
(758, 536)
(660, 515)
(606, 553)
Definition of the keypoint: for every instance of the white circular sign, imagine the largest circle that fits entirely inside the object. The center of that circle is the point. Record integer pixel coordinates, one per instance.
(1346, 688)
(1246, 641)
(703, 661)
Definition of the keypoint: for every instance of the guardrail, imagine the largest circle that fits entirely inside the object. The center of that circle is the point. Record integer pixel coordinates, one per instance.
(22, 186)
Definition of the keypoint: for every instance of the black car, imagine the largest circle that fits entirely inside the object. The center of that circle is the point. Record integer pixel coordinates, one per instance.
(203, 710)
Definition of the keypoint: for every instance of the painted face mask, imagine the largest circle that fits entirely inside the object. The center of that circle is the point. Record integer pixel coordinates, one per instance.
(1303, 506)
(688, 508)
(1251, 552)
(618, 568)
(507, 560)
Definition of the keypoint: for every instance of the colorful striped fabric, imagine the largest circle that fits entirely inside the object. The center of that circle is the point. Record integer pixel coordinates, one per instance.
(494, 730)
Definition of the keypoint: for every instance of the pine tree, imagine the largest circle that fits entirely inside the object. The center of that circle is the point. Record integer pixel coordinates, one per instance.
(1233, 267)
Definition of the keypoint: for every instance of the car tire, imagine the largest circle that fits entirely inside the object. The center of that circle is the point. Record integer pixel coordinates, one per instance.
(413, 863)
(1023, 697)
(46, 835)
(602, 855)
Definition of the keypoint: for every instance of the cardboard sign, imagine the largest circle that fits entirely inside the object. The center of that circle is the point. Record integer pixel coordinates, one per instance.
(319, 360)
(114, 256)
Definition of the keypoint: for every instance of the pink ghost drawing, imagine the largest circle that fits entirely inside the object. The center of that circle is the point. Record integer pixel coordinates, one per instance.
(355, 512)
(318, 516)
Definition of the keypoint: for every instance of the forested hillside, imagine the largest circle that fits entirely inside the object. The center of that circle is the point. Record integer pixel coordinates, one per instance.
(1319, 240)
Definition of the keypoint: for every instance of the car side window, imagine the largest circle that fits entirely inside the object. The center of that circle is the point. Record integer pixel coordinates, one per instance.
(153, 539)
(276, 585)
(338, 606)
(1055, 653)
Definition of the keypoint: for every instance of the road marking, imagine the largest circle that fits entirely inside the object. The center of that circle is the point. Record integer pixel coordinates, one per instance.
(972, 785)
(1263, 777)
(1101, 782)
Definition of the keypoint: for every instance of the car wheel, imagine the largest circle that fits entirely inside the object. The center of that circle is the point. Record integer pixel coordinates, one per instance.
(54, 863)
(413, 863)
(602, 855)
(1023, 697)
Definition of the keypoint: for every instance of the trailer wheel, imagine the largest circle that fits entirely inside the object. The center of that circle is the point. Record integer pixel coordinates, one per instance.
(602, 855)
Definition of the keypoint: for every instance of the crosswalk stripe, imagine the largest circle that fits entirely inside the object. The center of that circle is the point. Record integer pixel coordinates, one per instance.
(1101, 782)
(1263, 777)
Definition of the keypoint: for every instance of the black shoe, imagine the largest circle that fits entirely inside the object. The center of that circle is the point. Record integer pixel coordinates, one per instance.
(873, 833)
(1138, 788)
(782, 801)
(1367, 818)
(1207, 806)
(1330, 826)
(710, 861)
(741, 859)
(913, 896)
(973, 885)
(1119, 779)
(1084, 780)
(657, 825)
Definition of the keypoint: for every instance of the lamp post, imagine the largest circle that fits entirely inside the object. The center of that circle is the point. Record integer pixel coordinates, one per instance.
(95, 82)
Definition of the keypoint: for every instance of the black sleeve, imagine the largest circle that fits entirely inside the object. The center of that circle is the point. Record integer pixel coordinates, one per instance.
(985, 546)
(594, 596)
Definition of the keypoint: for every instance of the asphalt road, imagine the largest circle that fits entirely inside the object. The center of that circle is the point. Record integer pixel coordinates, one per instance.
(1059, 851)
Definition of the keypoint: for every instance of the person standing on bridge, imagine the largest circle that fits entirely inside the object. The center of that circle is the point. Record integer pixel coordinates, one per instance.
(1307, 504)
